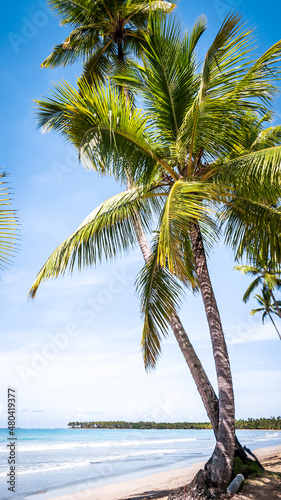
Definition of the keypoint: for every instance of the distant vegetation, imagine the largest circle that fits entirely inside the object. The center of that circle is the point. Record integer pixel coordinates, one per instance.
(251, 423)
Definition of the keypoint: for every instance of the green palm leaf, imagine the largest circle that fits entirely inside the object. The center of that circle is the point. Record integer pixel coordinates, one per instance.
(216, 55)
(252, 224)
(244, 269)
(267, 308)
(187, 202)
(8, 224)
(251, 288)
(101, 29)
(79, 45)
(259, 168)
(99, 64)
(74, 12)
(106, 128)
(160, 295)
(167, 80)
(268, 137)
(106, 232)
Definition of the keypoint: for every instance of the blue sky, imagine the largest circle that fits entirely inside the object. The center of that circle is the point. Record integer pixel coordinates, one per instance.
(74, 353)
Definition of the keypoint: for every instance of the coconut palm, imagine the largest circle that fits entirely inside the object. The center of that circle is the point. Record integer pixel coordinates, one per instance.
(175, 153)
(102, 41)
(266, 273)
(104, 32)
(104, 35)
(268, 308)
(8, 224)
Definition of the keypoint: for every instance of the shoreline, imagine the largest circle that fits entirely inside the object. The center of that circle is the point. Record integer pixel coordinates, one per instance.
(144, 487)
(144, 429)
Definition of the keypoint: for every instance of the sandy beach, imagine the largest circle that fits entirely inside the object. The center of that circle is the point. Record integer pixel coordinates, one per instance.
(159, 485)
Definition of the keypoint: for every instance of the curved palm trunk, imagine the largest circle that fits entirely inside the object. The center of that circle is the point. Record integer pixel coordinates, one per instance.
(276, 305)
(204, 386)
(202, 382)
(198, 373)
(218, 469)
(273, 322)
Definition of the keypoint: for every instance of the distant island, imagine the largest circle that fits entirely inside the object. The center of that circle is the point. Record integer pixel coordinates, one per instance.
(252, 423)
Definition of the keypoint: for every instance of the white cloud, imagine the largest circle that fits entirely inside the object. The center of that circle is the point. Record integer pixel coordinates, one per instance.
(250, 332)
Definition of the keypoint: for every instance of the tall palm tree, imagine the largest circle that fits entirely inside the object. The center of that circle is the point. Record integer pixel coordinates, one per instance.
(8, 224)
(268, 308)
(103, 35)
(175, 153)
(266, 273)
(104, 32)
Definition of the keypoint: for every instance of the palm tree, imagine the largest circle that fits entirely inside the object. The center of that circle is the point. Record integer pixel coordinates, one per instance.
(266, 273)
(104, 32)
(8, 224)
(103, 35)
(176, 153)
(267, 307)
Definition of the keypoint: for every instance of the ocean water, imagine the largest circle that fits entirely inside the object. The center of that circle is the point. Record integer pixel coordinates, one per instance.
(78, 459)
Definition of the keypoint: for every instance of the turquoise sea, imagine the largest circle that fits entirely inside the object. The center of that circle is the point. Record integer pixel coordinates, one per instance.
(77, 459)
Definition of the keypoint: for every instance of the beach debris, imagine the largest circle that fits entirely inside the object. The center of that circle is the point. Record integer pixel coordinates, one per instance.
(235, 484)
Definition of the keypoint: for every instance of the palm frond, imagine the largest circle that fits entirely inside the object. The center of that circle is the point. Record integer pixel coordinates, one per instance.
(219, 48)
(270, 281)
(232, 83)
(267, 138)
(245, 269)
(166, 7)
(167, 80)
(250, 223)
(74, 12)
(187, 202)
(257, 168)
(160, 296)
(259, 77)
(193, 36)
(79, 45)
(98, 64)
(251, 288)
(106, 128)
(8, 224)
(260, 309)
(106, 232)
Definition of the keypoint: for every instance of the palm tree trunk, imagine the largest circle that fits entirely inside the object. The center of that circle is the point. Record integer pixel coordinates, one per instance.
(273, 322)
(198, 373)
(204, 386)
(202, 382)
(218, 469)
(275, 303)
